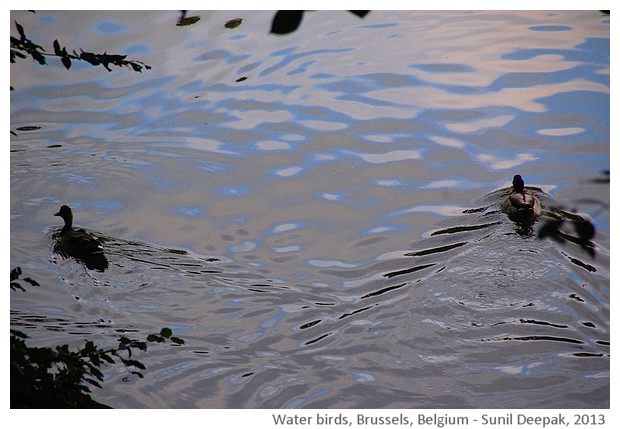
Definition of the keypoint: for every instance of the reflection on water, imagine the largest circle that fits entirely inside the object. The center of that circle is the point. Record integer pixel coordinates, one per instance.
(321, 233)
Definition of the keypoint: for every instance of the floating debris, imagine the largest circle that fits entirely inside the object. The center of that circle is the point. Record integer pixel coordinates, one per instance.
(233, 23)
(188, 21)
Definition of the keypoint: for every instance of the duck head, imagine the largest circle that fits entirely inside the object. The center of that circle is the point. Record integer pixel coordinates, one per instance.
(517, 183)
(66, 214)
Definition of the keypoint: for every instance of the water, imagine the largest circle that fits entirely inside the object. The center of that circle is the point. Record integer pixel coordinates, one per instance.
(313, 231)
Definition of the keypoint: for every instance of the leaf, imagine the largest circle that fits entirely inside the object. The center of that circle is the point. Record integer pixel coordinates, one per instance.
(15, 273)
(20, 30)
(177, 340)
(14, 54)
(154, 338)
(286, 21)
(31, 281)
(188, 21)
(17, 286)
(62, 53)
(233, 23)
(91, 58)
(360, 13)
(66, 62)
(107, 358)
(133, 362)
(166, 332)
(93, 382)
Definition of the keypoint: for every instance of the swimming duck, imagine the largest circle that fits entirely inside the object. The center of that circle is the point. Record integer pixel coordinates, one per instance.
(521, 206)
(79, 243)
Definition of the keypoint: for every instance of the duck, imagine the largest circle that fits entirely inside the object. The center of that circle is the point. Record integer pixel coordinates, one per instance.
(79, 243)
(520, 205)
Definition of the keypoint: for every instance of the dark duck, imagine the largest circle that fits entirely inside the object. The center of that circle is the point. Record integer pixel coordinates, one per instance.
(520, 205)
(78, 243)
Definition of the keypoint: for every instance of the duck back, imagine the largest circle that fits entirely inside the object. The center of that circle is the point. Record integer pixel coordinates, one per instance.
(521, 207)
(81, 245)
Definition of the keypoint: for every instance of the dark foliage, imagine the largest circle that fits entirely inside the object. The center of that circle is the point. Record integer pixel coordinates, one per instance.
(233, 23)
(57, 377)
(15, 285)
(287, 21)
(187, 20)
(24, 47)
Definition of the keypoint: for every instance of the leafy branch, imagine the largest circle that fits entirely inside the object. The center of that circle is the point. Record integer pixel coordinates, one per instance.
(46, 377)
(15, 285)
(24, 47)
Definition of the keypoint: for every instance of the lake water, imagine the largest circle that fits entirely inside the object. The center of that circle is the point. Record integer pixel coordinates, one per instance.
(314, 213)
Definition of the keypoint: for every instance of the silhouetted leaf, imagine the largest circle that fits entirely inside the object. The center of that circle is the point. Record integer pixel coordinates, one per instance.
(133, 362)
(62, 53)
(15, 273)
(153, 338)
(25, 45)
(31, 281)
(16, 54)
(138, 373)
(360, 13)
(188, 21)
(124, 341)
(233, 23)
(177, 340)
(286, 21)
(166, 332)
(20, 30)
(57, 49)
(107, 358)
(93, 382)
(17, 286)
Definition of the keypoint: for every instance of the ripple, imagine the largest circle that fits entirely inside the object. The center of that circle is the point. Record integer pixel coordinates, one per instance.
(496, 163)
(559, 132)
(480, 125)
(551, 28)
(288, 249)
(392, 156)
(288, 171)
(246, 246)
(190, 212)
(324, 263)
(273, 145)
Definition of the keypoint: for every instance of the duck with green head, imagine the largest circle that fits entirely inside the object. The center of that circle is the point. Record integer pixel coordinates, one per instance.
(520, 205)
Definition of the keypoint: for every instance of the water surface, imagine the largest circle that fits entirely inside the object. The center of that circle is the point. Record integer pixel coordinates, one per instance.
(312, 231)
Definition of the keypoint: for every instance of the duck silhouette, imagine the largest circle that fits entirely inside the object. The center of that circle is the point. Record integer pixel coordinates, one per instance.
(521, 206)
(78, 243)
